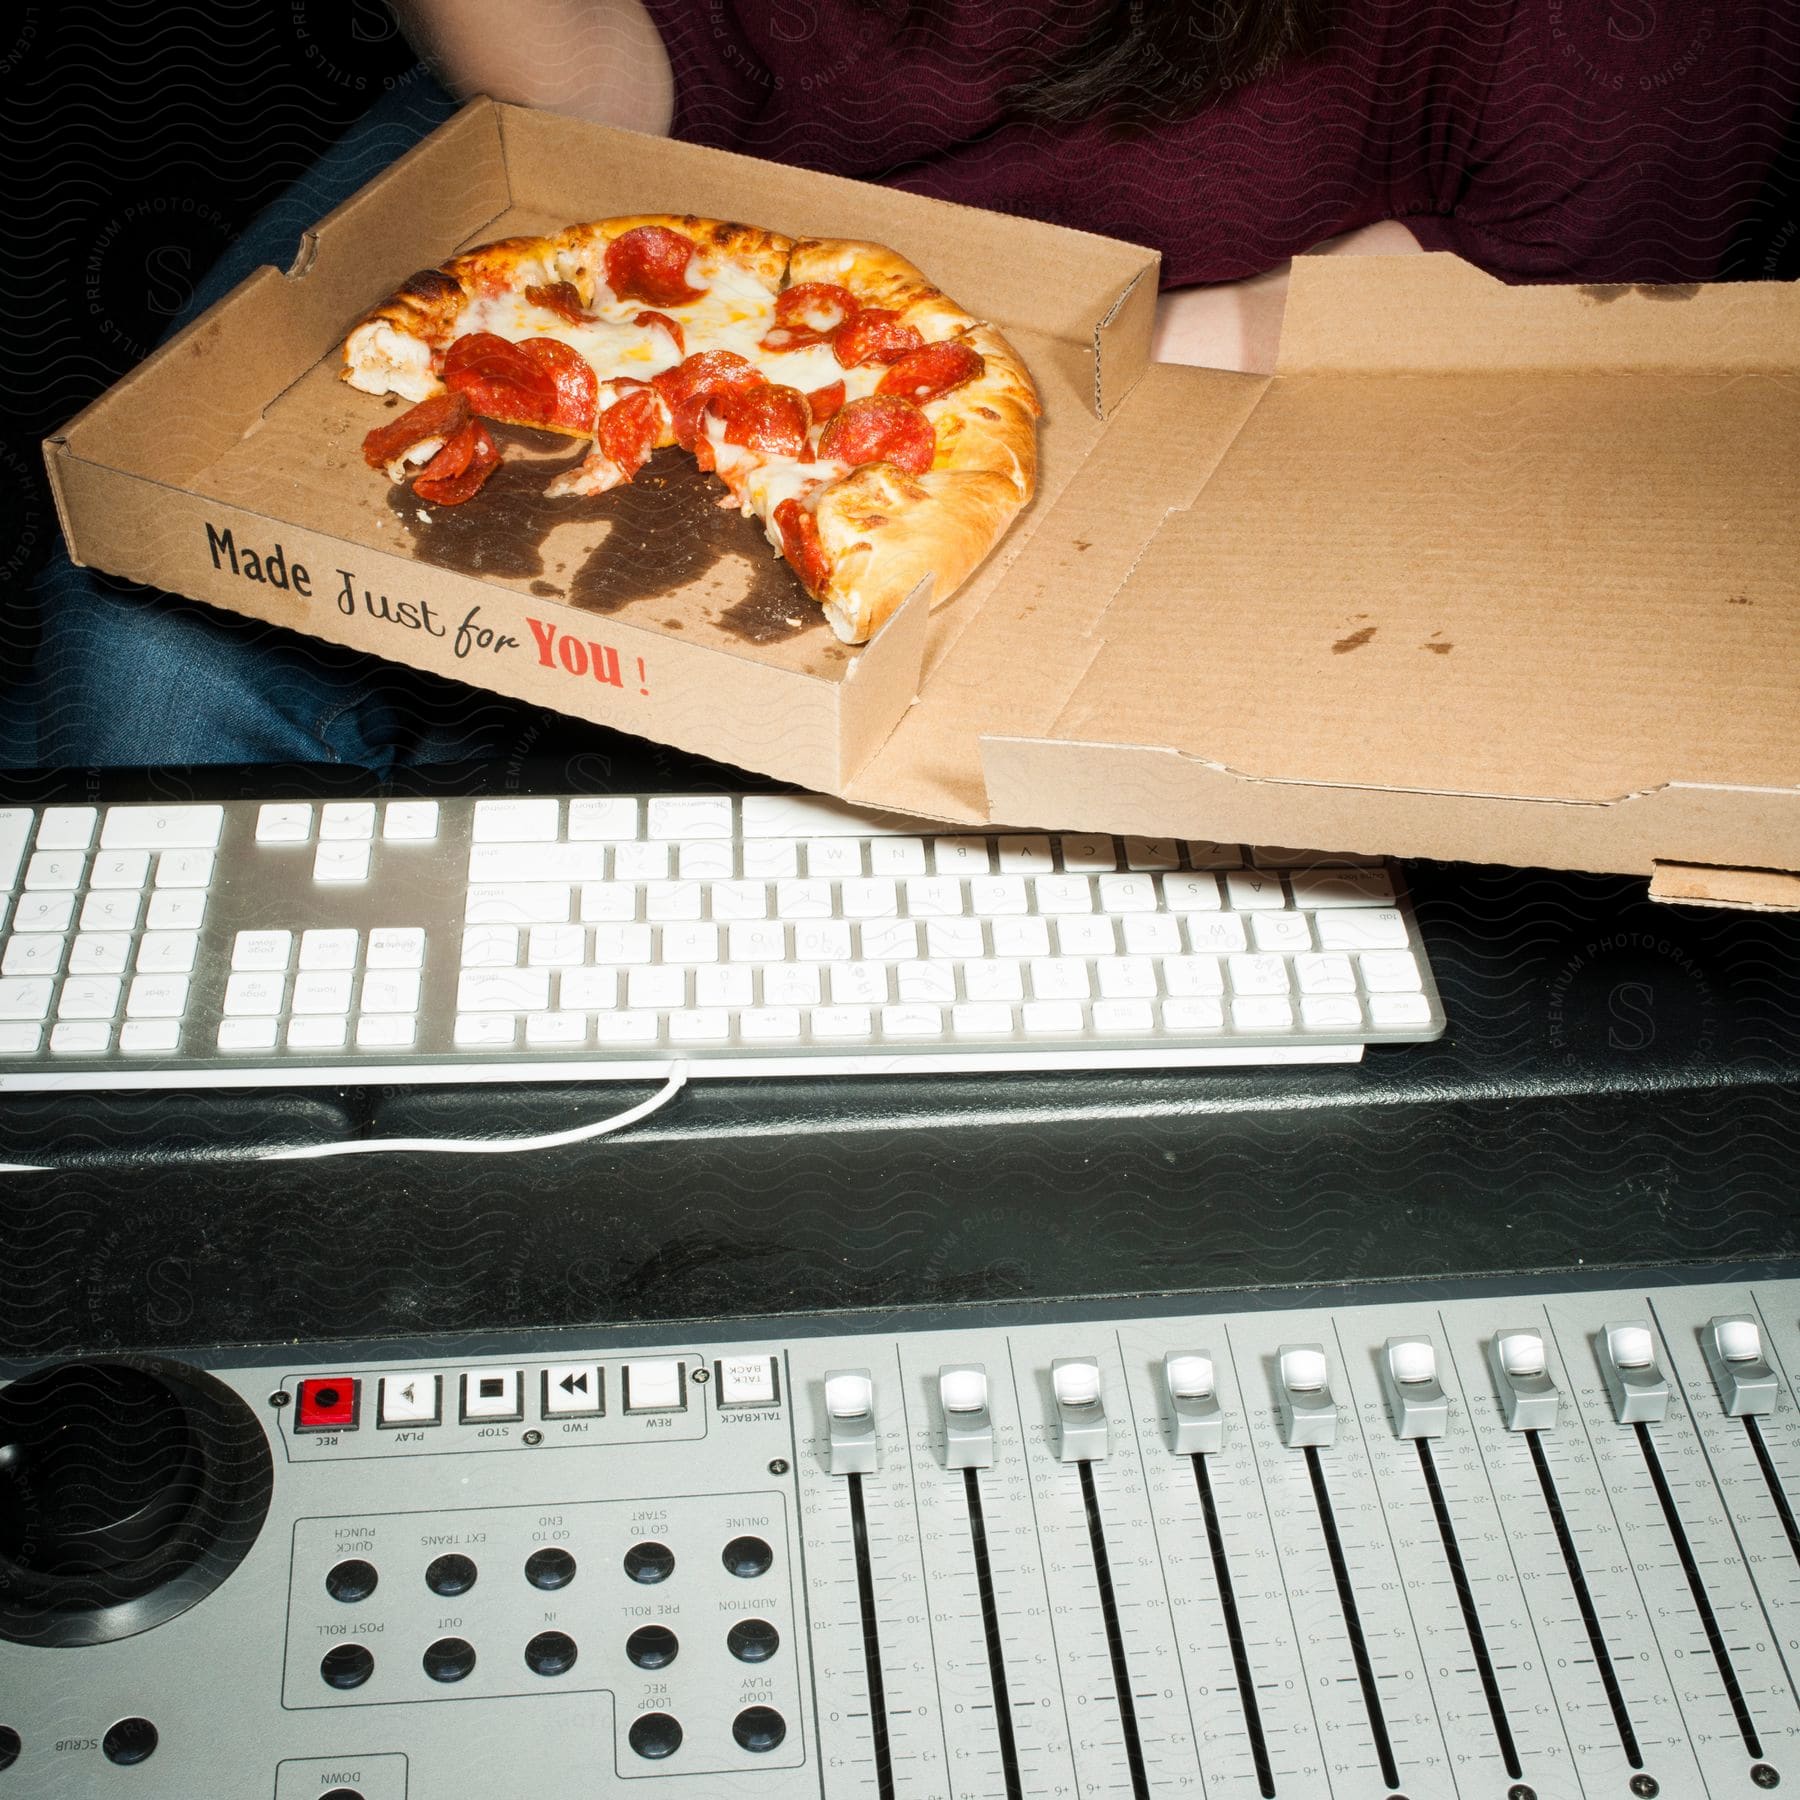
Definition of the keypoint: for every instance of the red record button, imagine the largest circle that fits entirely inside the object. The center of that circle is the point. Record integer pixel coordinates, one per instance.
(327, 1403)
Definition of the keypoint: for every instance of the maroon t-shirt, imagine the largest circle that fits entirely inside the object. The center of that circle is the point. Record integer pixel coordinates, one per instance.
(1591, 140)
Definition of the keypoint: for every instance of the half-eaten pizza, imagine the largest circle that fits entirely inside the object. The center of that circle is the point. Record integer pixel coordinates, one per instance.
(883, 435)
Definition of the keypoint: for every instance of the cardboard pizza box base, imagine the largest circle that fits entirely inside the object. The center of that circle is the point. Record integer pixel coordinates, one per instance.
(1504, 574)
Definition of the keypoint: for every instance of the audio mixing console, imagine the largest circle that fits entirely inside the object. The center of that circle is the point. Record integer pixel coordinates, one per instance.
(1506, 1546)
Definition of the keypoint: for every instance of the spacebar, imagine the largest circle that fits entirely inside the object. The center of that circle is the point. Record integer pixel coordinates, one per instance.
(803, 816)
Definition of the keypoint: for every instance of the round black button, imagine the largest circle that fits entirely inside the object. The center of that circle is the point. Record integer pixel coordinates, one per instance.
(348, 1666)
(451, 1575)
(10, 1746)
(550, 1653)
(130, 1741)
(549, 1568)
(753, 1640)
(747, 1556)
(652, 1646)
(449, 1659)
(351, 1581)
(655, 1735)
(759, 1728)
(650, 1563)
(342, 1794)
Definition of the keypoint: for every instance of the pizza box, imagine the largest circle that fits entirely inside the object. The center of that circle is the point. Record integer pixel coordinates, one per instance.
(1488, 573)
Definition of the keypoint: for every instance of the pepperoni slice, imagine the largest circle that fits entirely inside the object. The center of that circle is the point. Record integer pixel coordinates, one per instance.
(629, 429)
(800, 544)
(767, 419)
(825, 401)
(439, 417)
(669, 325)
(650, 262)
(687, 387)
(572, 375)
(881, 428)
(499, 380)
(808, 313)
(478, 456)
(561, 298)
(932, 372)
(874, 335)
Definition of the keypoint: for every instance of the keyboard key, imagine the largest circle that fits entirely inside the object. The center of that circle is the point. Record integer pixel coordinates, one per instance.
(167, 952)
(734, 900)
(559, 1029)
(840, 1022)
(1026, 856)
(609, 902)
(822, 940)
(15, 834)
(1383, 971)
(1203, 853)
(1342, 887)
(927, 983)
(998, 979)
(1361, 928)
(1089, 855)
(1191, 893)
(897, 856)
(176, 909)
(150, 1037)
(935, 897)
(1151, 934)
(1090, 935)
(254, 994)
(49, 911)
(115, 911)
(24, 996)
(622, 1028)
(322, 991)
(1017, 937)
(483, 947)
(396, 947)
(1152, 853)
(88, 997)
(89, 1037)
(587, 990)
(731, 985)
(262, 949)
(320, 1033)
(347, 822)
(1193, 1014)
(995, 896)
(873, 897)
(769, 1024)
(247, 1035)
(803, 900)
(1059, 978)
(808, 815)
(640, 862)
(120, 869)
(1254, 890)
(328, 949)
(390, 991)
(1123, 1017)
(518, 903)
(537, 862)
(689, 816)
(775, 859)
(1262, 1013)
(184, 869)
(858, 983)
(912, 1022)
(556, 946)
(657, 987)
(791, 984)
(410, 821)
(162, 827)
(673, 900)
(502, 990)
(981, 1018)
(1127, 893)
(390, 1031)
(626, 944)
(1396, 1012)
(961, 856)
(1258, 975)
(1284, 932)
(699, 1025)
(339, 861)
(515, 821)
(107, 952)
(55, 869)
(1324, 975)
(32, 953)
(690, 943)
(486, 1031)
(157, 997)
(889, 940)
(956, 940)
(756, 941)
(1215, 934)
(1187, 976)
(602, 816)
(708, 860)
(1063, 893)
(1053, 1018)
(1126, 978)
(833, 859)
(1330, 1012)
(284, 822)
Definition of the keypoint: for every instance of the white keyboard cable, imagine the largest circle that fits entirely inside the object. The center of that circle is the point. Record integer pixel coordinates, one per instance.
(506, 1146)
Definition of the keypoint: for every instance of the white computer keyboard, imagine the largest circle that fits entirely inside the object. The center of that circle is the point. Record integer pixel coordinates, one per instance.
(522, 938)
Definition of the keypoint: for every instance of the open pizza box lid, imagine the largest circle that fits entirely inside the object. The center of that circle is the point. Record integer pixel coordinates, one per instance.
(1503, 574)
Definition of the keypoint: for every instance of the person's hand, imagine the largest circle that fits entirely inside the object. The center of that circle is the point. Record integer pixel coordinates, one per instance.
(1237, 324)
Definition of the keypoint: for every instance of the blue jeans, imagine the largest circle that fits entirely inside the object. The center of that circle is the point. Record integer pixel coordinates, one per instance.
(126, 676)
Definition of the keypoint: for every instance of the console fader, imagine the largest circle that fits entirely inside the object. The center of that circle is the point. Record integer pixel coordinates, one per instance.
(1505, 1547)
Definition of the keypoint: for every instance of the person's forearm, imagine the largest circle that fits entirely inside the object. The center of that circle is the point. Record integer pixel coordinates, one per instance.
(1237, 324)
(597, 59)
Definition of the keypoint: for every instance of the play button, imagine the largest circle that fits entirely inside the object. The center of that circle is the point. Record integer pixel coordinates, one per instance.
(410, 1399)
(571, 1389)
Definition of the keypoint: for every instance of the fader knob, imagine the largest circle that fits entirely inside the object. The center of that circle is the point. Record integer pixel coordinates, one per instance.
(1409, 1384)
(968, 1427)
(1196, 1424)
(1528, 1396)
(1636, 1386)
(1309, 1414)
(851, 1445)
(1740, 1371)
(1080, 1416)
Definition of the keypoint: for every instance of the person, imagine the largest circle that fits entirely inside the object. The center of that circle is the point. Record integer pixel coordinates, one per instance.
(1586, 140)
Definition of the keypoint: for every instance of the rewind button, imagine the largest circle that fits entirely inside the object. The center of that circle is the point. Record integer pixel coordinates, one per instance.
(573, 1388)
(411, 1399)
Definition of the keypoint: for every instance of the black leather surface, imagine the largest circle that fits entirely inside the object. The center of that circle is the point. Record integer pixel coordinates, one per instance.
(1620, 1085)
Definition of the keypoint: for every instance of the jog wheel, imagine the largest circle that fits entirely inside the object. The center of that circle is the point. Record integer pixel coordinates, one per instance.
(129, 1489)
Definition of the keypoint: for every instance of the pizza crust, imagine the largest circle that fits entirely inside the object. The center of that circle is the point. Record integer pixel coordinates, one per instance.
(884, 531)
